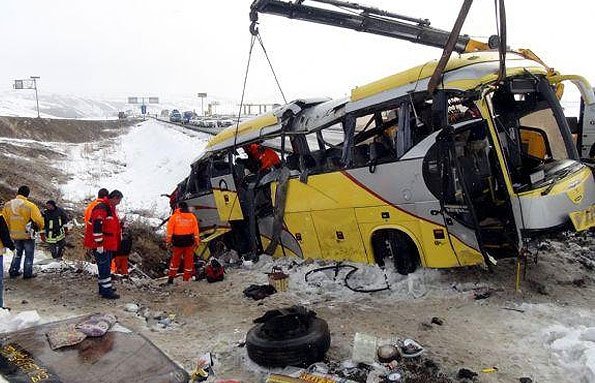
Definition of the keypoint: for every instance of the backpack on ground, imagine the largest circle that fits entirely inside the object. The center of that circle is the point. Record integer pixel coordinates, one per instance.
(214, 271)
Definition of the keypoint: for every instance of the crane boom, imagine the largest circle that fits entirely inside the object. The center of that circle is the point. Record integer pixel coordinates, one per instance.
(370, 20)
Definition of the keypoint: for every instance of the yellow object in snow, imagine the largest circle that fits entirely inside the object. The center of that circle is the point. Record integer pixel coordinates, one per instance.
(584, 219)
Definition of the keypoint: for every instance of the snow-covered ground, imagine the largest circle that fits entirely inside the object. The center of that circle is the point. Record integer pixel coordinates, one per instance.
(148, 161)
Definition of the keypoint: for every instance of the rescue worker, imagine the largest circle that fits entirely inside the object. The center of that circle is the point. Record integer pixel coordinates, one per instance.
(102, 193)
(102, 235)
(55, 220)
(267, 158)
(23, 219)
(120, 257)
(183, 237)
(5, 242)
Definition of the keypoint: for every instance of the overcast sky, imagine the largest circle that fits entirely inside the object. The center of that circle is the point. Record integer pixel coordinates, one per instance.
(176, 48)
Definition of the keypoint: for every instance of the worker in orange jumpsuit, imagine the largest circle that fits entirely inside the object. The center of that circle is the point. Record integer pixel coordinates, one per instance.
(120, 256)
(267, 158)
(183, 236)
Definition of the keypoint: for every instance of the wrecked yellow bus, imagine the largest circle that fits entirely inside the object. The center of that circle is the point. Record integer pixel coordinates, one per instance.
(393, 173)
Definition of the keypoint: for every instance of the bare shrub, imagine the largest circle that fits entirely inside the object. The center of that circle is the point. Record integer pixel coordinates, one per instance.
(150, 247)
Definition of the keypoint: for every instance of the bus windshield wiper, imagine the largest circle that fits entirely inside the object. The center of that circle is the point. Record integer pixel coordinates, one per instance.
(555, 180)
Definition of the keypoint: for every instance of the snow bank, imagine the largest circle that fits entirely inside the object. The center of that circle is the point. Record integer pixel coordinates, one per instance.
(574, 348)
(148, 161)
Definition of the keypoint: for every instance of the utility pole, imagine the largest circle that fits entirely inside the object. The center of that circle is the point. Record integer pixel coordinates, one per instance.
(202, 97)
(35, 78)
(31, 83)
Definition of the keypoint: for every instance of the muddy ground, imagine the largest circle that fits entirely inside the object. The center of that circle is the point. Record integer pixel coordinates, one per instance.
(486, 323)
(503, 329)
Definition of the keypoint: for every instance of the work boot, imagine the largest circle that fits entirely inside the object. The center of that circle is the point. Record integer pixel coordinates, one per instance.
(170, 281)
(110, 295)
(14, 275)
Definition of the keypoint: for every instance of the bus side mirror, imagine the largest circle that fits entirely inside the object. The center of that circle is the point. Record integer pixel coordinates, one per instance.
(534, 143)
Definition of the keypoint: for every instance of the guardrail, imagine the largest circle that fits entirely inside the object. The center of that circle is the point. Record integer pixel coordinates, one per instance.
(211, 131)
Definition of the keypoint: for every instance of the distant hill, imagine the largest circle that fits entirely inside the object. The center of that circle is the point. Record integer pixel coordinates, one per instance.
(28, 150)
(22, 104)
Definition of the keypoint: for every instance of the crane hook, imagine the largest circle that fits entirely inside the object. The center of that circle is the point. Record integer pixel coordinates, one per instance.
(254, 23)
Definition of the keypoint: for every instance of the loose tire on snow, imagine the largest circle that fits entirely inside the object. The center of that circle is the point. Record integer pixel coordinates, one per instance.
(301, 351)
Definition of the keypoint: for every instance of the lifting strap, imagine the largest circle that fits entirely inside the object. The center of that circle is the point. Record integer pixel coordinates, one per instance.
(280, 198)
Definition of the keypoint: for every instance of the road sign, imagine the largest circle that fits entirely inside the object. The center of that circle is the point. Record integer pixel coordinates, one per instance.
(202, 95)
(18, 84)
(133, 100)
(153, 100)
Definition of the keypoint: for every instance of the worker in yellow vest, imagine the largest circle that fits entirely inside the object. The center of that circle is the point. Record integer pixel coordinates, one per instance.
(24, 220)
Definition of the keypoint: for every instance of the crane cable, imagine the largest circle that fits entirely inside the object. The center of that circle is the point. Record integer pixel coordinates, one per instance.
(235, 136)
(270, 65)
(500, 14)
(254, 35)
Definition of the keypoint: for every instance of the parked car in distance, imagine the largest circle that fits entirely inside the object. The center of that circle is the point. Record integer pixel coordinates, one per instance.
(188, 115)
(196, 121)
(175, 116)
(225, 123)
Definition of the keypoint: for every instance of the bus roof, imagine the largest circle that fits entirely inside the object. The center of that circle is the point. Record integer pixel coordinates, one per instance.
(465, 72)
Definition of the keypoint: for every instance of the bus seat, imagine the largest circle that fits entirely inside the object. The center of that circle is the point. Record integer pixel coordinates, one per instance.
(361, 155)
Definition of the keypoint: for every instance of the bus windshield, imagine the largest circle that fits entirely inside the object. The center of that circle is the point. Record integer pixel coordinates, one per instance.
(533, 133)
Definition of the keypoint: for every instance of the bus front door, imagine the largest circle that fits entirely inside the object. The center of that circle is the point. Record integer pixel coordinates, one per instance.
(457, 207)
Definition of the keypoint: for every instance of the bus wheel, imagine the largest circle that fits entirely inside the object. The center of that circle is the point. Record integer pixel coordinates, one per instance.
(398, 246)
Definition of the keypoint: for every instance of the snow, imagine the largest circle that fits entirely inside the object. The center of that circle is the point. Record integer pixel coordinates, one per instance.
(148, 161)
(574, 349)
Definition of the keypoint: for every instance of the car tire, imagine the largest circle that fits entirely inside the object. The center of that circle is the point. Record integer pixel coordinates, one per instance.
(300, 351)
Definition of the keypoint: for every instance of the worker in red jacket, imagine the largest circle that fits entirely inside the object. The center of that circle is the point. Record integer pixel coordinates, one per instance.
(267, 158)
(183, 237)
(103, 236)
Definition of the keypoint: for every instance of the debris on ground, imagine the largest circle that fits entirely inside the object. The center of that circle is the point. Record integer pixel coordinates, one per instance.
(438, 321)
(258, 292)
(465, 373)
(203, 369)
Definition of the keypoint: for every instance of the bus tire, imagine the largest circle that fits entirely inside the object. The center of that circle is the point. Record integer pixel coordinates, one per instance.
(592, 152)
(300, 350)
(397, 245)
